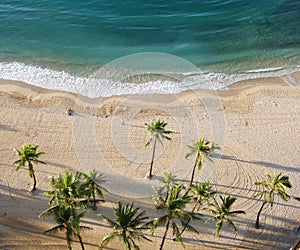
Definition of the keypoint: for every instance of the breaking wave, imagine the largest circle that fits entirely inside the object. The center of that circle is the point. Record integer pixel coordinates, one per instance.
(103, 85)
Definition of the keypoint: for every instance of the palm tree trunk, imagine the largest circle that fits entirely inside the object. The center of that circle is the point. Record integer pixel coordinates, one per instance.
(69, 244)
(188, 221)
(80, 240)
(259, 212)
(165, 234)
(94, 200)
(34, 183)
(152, 160)
(194, 170)
(167, 196)
(126, 240)
(68, 241)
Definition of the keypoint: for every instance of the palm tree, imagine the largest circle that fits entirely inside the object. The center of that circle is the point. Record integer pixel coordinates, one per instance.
(167, 183)
(128, 225)
(202, 148)
(200, 193)
(92, 185)
(27, 156)
(67, 220)
(66, 189)
(174, 210)
(222, 213)
(158, 132)
(272, 185)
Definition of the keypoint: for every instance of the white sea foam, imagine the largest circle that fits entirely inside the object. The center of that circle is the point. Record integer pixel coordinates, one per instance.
(264, 70)
(101, 87)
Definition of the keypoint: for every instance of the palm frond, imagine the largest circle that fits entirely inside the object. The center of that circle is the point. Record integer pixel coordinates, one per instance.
(231, 224)
(49, 212)
(108, 239)
(275, 184)
(36, 161)
(222, 212)
(158, 222)
(108, 220)
(283, 195)
(191, 152)
(148, 143)
(189, 227)
(260, 194)
(55, 229)
(137, 235)
(157, 131)
(176, 233)
(228, 201)
(199, 165)
(219, 226)
(135, 246)
(285, 181)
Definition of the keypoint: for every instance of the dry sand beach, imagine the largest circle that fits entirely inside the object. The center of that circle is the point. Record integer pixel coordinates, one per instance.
(256, 123)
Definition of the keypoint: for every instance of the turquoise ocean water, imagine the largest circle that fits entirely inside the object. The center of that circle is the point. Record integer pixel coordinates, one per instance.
(172, 45)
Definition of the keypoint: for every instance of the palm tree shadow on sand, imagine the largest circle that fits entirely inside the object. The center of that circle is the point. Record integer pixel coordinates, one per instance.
(7, 128)
(261, 163)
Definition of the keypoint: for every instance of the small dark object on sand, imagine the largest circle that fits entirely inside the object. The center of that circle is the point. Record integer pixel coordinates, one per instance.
(69, 112)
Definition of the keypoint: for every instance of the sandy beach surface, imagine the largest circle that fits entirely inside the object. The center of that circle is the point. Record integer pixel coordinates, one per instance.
(256, 123)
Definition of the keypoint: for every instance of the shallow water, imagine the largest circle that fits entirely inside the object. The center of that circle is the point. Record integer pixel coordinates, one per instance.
(65, 44)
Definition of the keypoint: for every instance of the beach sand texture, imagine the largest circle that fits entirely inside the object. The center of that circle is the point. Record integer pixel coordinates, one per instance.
(257, 123)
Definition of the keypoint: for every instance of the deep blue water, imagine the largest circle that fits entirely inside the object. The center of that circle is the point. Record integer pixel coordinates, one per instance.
(42, 42)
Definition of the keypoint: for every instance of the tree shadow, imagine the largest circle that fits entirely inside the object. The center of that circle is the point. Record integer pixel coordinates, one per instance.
(8, 128)
(262, 163)
(214, 244)
(9, 193)
(50, 163)
(270, 235)
(21, 225)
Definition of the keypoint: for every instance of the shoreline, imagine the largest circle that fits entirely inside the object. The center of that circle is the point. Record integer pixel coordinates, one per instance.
(111, 86)
(36, 92)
